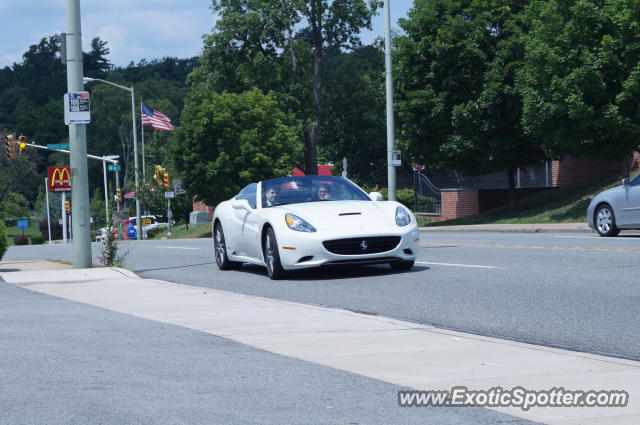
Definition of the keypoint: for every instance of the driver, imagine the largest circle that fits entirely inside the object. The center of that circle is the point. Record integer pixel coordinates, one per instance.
(271, 196)
(323, 193)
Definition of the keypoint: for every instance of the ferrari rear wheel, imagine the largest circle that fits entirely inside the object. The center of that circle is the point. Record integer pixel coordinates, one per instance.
(272, 256)
(402, 265)
(220, 249)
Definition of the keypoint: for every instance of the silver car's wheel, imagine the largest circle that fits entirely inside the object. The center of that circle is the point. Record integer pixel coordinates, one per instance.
(606, 221)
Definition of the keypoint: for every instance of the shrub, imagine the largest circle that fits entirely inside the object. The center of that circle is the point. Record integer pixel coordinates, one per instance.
(151, 233)
(56, 230)
(21, 240)
(3, 239)
(37, 240)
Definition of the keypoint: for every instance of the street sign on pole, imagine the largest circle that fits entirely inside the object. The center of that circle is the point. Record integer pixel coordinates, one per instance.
(77, 108)
(417, 167)
(64, 146)
(114, 167)
(169, 195)
(177, 187)
(23, 224)
(395, 158)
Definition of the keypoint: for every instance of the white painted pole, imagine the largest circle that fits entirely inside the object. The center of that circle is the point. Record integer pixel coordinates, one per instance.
(64, 218)
(78, 143)
(46, 192)
(391, 131)
(106, 193)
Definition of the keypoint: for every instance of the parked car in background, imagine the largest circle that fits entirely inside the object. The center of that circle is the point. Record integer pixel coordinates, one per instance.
(616, 209)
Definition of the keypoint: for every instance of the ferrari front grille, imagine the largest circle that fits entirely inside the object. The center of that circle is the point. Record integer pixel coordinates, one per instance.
(363, 245)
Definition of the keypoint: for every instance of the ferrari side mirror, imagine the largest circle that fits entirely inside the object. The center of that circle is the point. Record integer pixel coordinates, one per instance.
(375, 196)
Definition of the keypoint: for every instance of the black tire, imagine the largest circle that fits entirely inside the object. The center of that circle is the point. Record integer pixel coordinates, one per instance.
(272, 256)
(401, 265)
(220, 250)
(605, 221)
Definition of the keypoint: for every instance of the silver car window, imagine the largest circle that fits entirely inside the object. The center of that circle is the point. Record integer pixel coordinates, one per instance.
(635, 181)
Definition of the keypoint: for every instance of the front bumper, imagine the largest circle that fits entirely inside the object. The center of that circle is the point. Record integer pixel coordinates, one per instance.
(310, 252)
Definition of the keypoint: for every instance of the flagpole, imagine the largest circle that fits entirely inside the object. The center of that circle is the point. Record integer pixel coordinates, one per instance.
(144, 168)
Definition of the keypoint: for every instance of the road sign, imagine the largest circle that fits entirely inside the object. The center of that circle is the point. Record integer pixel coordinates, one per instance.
(77, 108)
(169, 195)
(59, 179)
(58, 146)
(395, 158)
(114, 167)
(23, 224)
(177, 187)
(417, 167)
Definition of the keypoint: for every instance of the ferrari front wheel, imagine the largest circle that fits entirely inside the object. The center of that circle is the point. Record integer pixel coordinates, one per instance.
(272, 256)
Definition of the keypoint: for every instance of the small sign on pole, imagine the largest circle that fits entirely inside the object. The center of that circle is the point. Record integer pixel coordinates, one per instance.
(417, 167)
(23, 224)
(58, 146)
(395, 158)
(114, 167)
(177, 187)
(169, 195)
(77, 108)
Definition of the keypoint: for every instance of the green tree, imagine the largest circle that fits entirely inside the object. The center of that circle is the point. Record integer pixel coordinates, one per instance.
(251, 36)
(458, 106)
(3, 239)
(355, 112)
(581, 77)
(229, 140)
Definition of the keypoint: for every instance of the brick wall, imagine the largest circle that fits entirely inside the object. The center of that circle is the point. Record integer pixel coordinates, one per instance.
(201, 206)
(570, 171)
(456, 203)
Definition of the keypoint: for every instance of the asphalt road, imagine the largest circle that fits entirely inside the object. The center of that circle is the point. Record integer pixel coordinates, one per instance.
(574, 291)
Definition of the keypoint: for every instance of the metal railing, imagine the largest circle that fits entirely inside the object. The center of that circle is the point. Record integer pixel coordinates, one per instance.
(426, 197)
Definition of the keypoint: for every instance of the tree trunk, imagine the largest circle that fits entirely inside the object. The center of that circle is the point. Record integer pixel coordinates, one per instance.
(511, 182)
(310, 148)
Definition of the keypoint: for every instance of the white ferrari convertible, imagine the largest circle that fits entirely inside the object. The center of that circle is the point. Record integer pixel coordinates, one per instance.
(294, 223)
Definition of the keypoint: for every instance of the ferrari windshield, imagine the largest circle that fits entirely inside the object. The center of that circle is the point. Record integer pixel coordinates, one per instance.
(295, 190)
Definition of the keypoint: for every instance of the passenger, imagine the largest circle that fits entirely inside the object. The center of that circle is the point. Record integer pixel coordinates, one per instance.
(323, 193)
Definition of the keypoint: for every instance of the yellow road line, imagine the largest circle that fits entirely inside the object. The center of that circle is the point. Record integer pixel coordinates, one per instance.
(562, 248)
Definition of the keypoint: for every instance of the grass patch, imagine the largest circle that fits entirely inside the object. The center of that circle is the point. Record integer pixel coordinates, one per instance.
(33, 230)
(180, 231)
(559, 205)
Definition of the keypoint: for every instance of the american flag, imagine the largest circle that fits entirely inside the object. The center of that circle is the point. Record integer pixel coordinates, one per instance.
(155, 118)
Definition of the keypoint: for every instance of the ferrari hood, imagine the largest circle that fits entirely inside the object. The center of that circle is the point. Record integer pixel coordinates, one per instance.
(343, 213)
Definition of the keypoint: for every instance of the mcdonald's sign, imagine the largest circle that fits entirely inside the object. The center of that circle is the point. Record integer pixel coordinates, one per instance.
(59, 179)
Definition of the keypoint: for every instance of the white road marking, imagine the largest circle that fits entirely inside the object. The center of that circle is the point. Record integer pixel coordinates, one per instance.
(457, 265)
(175, 247)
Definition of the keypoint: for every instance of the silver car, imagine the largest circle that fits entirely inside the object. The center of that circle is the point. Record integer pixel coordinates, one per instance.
(615, 209)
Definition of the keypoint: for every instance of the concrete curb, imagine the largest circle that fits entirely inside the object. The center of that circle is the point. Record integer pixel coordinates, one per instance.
(514, 228)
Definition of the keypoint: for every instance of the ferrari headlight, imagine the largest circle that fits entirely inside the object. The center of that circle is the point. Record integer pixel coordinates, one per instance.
(296, 223)
(402, 217)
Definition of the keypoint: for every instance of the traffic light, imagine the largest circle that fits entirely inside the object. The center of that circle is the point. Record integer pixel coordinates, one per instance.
(119, 195)
(157, 174)
(22, 142)
(10, 140)
(165, 181)
(67, 206)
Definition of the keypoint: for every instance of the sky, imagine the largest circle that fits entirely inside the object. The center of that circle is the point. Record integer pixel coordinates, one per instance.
(133, 29)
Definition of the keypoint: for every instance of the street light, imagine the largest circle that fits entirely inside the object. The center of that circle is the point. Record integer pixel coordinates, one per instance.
(135, 146)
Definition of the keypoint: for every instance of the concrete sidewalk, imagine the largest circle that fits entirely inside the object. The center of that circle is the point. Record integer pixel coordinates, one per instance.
(402, 353)
(514, 228)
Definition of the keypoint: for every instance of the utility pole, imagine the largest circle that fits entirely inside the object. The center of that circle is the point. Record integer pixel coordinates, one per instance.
(391, 131)
(77, 143)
